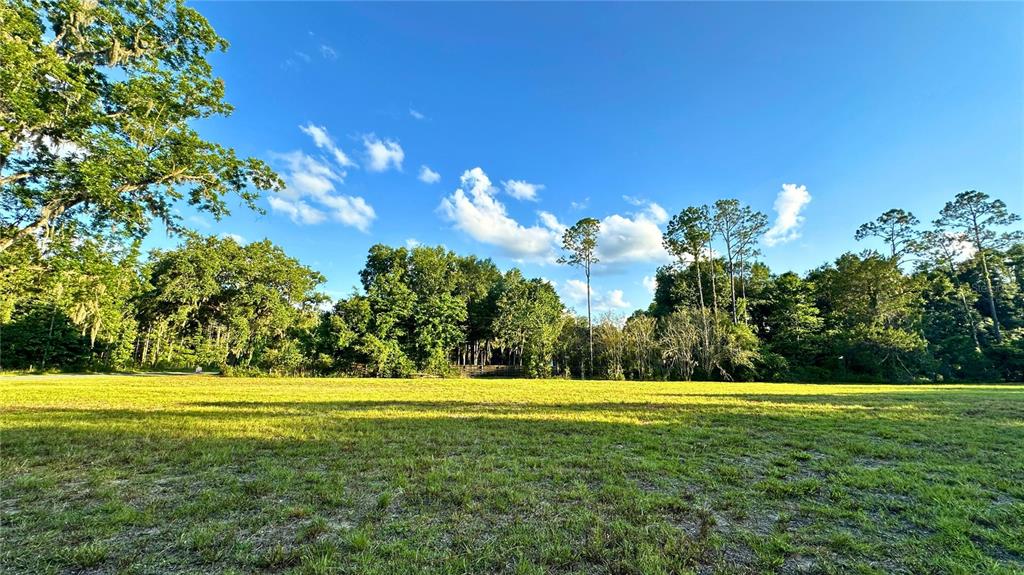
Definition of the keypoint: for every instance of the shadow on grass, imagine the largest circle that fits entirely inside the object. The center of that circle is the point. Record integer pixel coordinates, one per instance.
(749, 458)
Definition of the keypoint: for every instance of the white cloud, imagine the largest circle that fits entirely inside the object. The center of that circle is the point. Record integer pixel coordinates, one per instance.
(963, 248)
(788, 205)
(657, 213)
(633, 238)
(303, 55)
(412, 243)
(575, 291)
(473, 209)
(328, 52)
(299, 211)
(650, 283)
(417, 114)
(350, 210)
(580, 204)
(522, 190)
(551, 222)
(238, 239)
(614, 300)
(382, 153)
(309, 197)
(323, 140)
(429, 176)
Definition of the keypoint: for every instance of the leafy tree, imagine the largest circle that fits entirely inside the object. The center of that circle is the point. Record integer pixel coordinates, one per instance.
(475, 285)
(739, 227)
(686, 237)
(896, 228)
(979, 219)
(789, 322)
(97, 115)
(872, 314)
(945, 249)
(580, 244)
(440, 311)
(212, 301)
(611, 348)
(528, 322)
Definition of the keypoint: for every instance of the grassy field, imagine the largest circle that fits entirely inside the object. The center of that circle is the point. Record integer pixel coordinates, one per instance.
(117, 474)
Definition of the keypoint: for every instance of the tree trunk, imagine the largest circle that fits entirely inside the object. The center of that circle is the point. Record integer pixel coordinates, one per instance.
(714, 288)
(590, 324)
(991, 296)
(967, 308)
(732, 276)
(988, 278)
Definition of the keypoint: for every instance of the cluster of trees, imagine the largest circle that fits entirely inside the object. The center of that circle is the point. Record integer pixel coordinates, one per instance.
(428, 310)
(942, 303)
(98, 107)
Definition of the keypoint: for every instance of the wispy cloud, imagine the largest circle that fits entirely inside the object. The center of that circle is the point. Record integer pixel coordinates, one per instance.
(417, 114)
(323, 140)
(328, 52)
(788, 204)
(382, 154)
(582, 204)
(522, 190)
(429, 176)
(309, 196)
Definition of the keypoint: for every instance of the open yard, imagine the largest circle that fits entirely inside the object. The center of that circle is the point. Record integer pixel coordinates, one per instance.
(118, 474)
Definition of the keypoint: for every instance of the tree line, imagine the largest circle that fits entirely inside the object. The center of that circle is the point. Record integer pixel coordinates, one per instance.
(944, 303)
(98, 140)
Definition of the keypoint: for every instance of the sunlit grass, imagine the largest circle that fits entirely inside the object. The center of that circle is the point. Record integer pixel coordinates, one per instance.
(203, 474)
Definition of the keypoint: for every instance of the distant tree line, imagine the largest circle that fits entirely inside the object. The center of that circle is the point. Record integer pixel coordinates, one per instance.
(942, 303)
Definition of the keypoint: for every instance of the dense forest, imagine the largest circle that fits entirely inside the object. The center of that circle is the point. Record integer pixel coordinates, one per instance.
(98, 140)
(940, 304)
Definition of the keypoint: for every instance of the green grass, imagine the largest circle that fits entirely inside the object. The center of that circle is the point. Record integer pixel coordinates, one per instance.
(118, 474)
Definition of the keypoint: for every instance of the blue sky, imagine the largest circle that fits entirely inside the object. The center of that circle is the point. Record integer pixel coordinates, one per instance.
(534, 115)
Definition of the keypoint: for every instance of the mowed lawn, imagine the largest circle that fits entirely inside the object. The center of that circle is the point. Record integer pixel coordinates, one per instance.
(118, 474)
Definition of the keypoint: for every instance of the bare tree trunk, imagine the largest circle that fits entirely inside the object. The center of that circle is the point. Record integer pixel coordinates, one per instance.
(590, 324)
(963, 300)
(991, 295)
(714, 288)
(988, 278)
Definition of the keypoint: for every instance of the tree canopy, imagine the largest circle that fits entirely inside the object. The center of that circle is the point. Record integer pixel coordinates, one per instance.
(97, 119)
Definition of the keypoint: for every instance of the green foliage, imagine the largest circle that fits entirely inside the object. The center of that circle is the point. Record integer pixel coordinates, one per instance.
(97, 114)
(213, 302)
(528, 322)
(79, 301)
